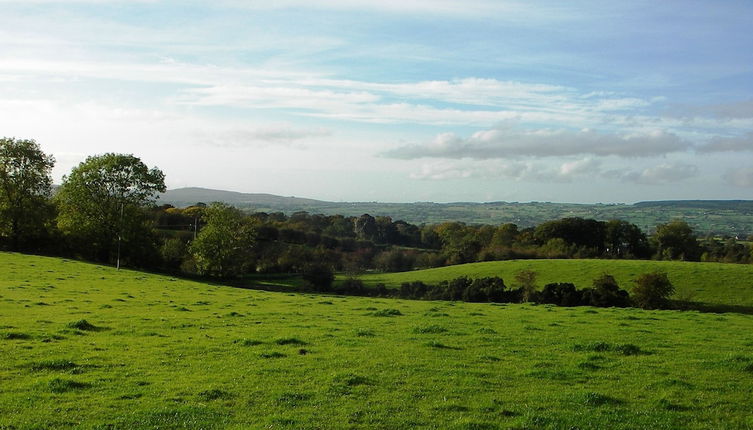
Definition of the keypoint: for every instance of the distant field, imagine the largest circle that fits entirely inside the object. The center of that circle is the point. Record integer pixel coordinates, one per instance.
(715, 283)
(85, 346)
(728, 217)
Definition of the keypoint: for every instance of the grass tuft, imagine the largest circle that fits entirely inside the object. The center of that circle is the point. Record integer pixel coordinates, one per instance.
(14, 336)
(59, 385)
(54, 365)
(386, 313)
(432, 329)
(289, 341)
(83, 325)
(215, 394)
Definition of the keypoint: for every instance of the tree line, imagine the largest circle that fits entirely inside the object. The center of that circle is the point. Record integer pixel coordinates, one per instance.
(105, 210)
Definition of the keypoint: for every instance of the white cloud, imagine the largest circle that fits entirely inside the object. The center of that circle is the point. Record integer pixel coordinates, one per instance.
(277, 135)
(656, 175)
(511, 143)
(510, 170)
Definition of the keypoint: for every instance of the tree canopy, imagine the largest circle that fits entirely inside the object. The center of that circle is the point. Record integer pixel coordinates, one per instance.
(25, 185)
(103, 198)
(223, 246)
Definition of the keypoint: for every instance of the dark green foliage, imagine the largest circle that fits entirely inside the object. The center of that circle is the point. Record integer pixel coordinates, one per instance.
(588, 234)
(652, 291)
(318, 276)
(606, 293)
(224, 245)
(676, 241)
(561, 294)
(25, 186)
(103, 199)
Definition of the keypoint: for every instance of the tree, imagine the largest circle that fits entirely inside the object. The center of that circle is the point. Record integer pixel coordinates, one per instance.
(624, 239)
(25, 185)
(675, 240)
(652, 290)
(526, 280)
(103, 200)
(224, 245)
(318, 276)
(605, 293)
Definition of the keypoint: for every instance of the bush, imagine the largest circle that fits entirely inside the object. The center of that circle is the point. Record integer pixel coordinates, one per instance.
(318, 276)
(561, 294)
(652, 290)
(606, 293)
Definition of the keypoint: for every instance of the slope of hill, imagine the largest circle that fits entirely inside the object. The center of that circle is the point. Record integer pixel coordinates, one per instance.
(86, 346)
(188, 196)
(734, 218)
(726, 286)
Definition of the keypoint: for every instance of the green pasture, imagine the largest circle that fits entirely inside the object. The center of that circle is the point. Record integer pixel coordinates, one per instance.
(712, 283)
(86, 346)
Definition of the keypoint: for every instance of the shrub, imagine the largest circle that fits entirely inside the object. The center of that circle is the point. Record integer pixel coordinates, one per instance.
(527, 283)
(318, 276)
(561, 294)
(652, 290)
(606, 293)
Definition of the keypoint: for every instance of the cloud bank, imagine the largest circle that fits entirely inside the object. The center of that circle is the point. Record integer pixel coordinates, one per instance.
(513, 143)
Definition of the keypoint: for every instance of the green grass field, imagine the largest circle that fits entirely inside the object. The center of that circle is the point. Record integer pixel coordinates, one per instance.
(712, 283)
(86, 346)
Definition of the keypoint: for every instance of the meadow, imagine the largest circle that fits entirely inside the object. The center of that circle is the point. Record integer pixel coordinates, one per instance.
(724, 286)
(86, 346)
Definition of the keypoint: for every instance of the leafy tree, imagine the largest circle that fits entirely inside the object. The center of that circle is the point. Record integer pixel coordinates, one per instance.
(526, 280)
(676, 241)
(318, 276)
(605, 293)
(103, 199)
(224, 245)
(25, 186)
(586, 233)
(652, 290)
(365, 227)
(561, 294)
(625, 240)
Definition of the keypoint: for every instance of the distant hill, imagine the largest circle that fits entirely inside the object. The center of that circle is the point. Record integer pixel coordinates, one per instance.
(719, 217)
(189, 196)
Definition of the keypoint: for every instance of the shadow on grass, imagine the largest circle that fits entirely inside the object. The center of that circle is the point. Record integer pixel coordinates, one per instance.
(711, 307)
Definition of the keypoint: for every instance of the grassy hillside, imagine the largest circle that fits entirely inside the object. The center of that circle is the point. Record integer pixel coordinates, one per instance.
(89, 347)
(713, 283)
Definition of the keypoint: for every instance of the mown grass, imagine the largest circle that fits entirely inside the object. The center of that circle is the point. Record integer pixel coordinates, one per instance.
(712, 283)
(236, 361)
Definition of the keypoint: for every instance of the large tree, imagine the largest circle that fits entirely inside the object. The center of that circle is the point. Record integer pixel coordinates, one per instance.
(103, 200)
(25, 186)
(224, 245)
(675, 240)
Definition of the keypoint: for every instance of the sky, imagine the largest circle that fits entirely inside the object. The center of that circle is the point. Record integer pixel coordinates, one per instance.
(393, 101)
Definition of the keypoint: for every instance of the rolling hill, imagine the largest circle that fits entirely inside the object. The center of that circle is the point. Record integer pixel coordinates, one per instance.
(87, 346)
(732, 218)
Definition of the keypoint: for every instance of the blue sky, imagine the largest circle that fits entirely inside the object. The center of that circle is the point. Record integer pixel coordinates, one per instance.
(443, 100)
